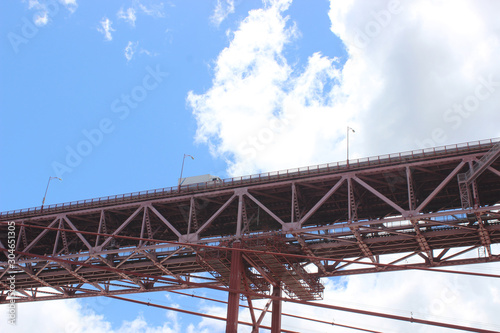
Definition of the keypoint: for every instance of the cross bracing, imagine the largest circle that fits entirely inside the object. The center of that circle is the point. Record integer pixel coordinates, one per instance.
(336, 219)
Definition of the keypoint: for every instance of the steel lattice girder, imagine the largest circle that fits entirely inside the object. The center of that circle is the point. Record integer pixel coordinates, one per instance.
(408, 208)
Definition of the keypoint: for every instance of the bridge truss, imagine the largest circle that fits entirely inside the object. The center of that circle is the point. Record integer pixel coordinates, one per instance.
(272, 235)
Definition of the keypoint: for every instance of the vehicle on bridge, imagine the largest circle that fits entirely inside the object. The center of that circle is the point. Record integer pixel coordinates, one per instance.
(194, 181)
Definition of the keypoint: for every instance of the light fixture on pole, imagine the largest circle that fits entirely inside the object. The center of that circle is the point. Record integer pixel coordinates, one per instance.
(50, 178)
(348, 130)
(182, 168)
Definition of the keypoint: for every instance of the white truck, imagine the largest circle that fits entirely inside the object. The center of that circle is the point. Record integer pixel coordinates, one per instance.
(201, 180)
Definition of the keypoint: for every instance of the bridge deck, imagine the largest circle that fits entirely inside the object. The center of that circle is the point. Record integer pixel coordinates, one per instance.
(406, 205)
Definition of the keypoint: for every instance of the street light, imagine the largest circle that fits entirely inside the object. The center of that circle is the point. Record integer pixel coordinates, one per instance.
(182, 168)
(50, 178)
(348, 130)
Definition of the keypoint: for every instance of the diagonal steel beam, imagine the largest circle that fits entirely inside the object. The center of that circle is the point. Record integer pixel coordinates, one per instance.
(43, 233)
(28, 271)
(310, 253)
(127, 258)
(322, 200)
(259, 269)
(353, 217)
(263, 314)
(422, 241)
(121, 227)
(362, 245)
(160, 266)
(172, 254)
(216, 214)
(403, 258)
(72, 226)
(412, 203)
(40, 270)
(250, 306)
(460, 253)
(267, 210)
(338, 268)
(134, 280)
(379, 195)
(73, 273)
(495, 171)
(164, 220)
(440, 186)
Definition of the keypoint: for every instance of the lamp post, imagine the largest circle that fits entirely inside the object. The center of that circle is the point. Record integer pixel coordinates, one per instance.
(348, 130)
(50, 178)
(182, 168)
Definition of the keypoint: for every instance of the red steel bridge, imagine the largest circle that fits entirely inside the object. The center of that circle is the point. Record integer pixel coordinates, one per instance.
(269, 236)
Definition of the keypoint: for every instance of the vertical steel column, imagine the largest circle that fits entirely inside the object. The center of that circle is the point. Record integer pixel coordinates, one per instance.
(473, 184)
(233, 300)
(239, 217)
(276, 314)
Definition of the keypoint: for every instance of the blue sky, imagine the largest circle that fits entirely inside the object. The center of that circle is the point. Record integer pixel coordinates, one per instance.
(243, 86)
(63, 81)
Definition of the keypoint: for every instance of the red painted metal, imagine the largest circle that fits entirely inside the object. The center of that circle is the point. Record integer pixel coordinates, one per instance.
(405, 204)
(233, 302)
(377, 267)
(272, 297)
(276, 314)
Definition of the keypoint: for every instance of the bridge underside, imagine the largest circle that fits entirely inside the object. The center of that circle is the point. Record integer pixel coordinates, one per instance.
(293, 228)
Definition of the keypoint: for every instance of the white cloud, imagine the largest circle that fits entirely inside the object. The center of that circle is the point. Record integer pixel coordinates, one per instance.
(69, 316)
(439, 297)
(148, 53)
(420, 73)
(55, 316)
(128, 15)
(130, 50)
(417, 74)
(259, 107)
(106, 28)
(71, 5)
(41, 18)
(222, 9)
(47, 10)
(155, 10)
(207, 325)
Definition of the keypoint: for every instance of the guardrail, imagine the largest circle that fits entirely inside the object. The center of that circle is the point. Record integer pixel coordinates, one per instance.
(257, 178)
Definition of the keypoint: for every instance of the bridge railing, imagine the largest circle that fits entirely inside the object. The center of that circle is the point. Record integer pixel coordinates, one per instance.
(257, 178)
